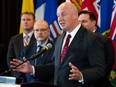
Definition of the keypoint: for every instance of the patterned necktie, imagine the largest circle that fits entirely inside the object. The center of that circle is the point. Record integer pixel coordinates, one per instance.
(64, 50)
(26, 42)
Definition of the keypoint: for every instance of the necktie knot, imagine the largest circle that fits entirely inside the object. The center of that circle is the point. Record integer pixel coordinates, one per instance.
(68, 37)
(26, 36)
(39, 47)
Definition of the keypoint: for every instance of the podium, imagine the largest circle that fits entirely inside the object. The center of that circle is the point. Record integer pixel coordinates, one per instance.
(6, 81)
(38, 84)
(9, 85)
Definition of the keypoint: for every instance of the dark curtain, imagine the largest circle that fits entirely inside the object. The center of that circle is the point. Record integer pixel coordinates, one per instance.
(10, 22)
(10, 19)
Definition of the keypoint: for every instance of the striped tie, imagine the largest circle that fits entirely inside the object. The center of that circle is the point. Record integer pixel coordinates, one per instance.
(26, 42)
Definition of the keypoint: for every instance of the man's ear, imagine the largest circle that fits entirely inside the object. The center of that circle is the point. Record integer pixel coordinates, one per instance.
(94, 22)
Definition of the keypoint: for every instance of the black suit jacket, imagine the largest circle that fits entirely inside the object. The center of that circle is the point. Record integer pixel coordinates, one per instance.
(3, 63)
(45, 58)
(85, 52)
(15, 47)
(109, 60)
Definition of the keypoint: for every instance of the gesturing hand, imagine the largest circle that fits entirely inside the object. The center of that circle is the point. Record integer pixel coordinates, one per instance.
(75, 73)
(25, 67)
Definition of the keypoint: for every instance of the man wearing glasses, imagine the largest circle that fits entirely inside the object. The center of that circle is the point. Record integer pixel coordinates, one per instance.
(41, 33)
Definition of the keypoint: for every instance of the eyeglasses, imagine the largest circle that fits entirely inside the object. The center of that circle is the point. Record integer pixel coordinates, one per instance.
(41, 30)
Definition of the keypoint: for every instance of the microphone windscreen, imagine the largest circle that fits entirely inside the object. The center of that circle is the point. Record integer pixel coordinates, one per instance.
(49, 45)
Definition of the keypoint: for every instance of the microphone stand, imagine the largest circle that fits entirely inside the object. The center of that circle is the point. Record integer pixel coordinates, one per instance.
(31, 58)
(9, 70)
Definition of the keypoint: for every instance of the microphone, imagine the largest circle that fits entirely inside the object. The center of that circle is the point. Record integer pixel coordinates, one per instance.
(46, 48)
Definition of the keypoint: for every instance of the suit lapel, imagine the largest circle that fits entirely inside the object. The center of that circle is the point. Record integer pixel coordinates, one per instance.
(58, 49)
(20, 42)
(75, 43)
(33, 48)
(21, 38)
(32, 39)
(78, 37)
(45, 55)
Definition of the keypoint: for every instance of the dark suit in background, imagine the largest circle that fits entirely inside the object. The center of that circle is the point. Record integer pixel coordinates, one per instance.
(109, 60)
(15, 47)
(3, 63)
(45, 58)
(89, 21)
(85, 52)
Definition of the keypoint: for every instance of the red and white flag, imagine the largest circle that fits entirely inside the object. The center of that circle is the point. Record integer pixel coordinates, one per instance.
(113, 31)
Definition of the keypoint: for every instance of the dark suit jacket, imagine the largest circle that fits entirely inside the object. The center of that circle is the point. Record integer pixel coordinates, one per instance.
(3, 63)
(85, 52)
(109, 60)
(15, 46)
(45, 58)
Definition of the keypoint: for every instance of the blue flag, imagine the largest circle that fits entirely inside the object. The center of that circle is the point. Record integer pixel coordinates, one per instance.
(105, 14)
(46, 10)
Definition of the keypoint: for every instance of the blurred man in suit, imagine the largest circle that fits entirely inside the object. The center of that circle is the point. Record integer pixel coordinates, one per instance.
(17, 42)
(41, 33)
(89, 21)
(3, 63)
(83, 63)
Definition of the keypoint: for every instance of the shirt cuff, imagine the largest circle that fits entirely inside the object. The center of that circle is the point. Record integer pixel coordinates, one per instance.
(33, 71)
(82, 80)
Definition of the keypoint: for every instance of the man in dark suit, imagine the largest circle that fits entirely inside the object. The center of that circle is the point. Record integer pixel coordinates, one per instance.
(17, 42)
(41, 33)
(83, 64)
(88, 20)
(3, 64)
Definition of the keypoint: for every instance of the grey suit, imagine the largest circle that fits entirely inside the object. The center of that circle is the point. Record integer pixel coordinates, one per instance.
(85, 52)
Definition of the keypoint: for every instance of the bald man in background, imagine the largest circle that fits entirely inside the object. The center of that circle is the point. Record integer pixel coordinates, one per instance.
(41, 33)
